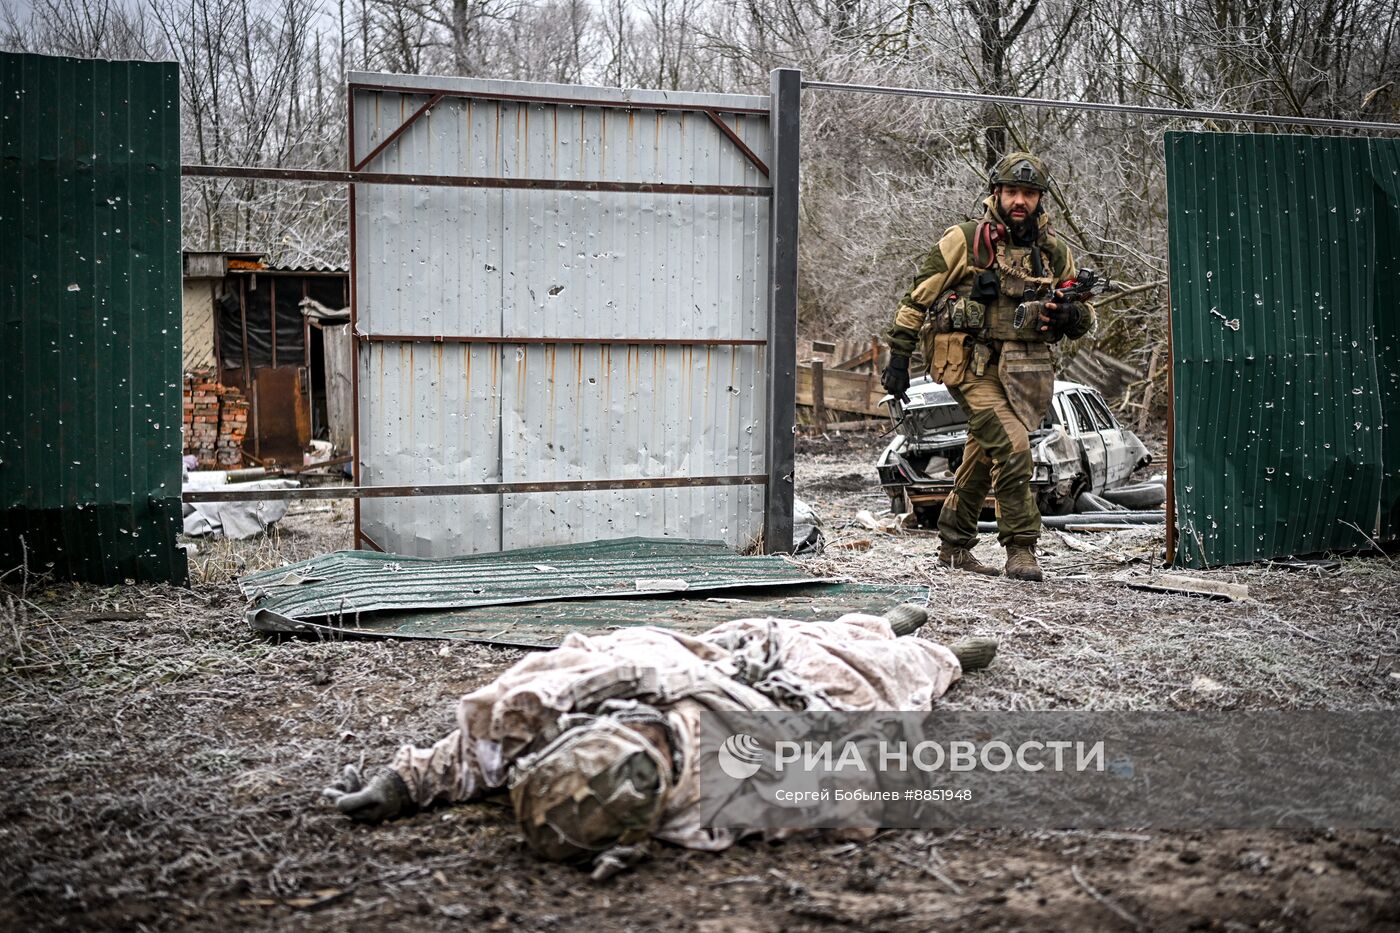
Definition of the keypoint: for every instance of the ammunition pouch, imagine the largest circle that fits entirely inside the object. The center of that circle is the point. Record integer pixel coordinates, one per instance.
(966, 314)
(1028, 376)
(986, 286)
(950, 357)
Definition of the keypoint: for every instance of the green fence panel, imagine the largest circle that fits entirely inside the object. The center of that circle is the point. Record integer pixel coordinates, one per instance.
(1386, 172)
(1283, 262)
(90, 282)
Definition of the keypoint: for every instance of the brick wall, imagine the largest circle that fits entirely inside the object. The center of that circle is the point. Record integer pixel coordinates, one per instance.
(216, 421)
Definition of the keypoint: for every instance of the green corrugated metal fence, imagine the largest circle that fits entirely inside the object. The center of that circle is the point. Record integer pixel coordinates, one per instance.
(90, 318)
(1285, 252)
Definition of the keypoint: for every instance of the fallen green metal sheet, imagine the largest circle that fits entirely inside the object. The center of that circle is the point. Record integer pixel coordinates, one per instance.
(544, 625)
(1285, 358)
(343, 587)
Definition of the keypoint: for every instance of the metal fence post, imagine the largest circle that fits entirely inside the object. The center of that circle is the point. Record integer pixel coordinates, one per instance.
(786, 84)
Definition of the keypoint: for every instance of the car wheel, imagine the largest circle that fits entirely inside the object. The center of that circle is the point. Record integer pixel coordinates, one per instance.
(1051, 504)
(927, 516)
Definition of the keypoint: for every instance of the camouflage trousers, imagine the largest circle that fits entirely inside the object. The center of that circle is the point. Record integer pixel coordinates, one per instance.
(997, 459)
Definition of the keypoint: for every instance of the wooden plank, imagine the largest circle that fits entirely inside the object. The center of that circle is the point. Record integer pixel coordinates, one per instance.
(818, 396)
(859, 393)
(1190, 586)
(867, 357)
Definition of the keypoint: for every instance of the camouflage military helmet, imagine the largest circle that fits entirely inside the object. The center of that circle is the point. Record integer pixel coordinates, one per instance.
(598, 784)
(1022, 169)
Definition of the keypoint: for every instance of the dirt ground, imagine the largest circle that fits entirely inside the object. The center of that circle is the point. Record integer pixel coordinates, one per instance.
(161, 764)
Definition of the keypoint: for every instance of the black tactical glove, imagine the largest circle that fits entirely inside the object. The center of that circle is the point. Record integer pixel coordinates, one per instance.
(1063, 316)
(895, 377)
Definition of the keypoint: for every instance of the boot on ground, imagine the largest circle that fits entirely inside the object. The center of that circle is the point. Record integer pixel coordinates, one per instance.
(960, 558)
(974, 653)
(906, 619)
(1021, 563)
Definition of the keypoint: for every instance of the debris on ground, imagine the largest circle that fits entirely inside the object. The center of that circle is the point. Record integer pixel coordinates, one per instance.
(807, 535)
(355, 582)
(889, 523)
(156, 763)
(235, 520)
(1193, 586)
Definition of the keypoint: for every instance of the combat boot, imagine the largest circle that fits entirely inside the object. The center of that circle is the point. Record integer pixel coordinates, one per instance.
(974, 653)
(1021, 563)
(960, 558)
(906, 619)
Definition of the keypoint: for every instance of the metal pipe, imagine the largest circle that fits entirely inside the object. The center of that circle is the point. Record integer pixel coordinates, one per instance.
(224, 494)
(465, 181)
(354, 321)
(781, 396)
(555, 341)
(1097, 107)
(1090, 518)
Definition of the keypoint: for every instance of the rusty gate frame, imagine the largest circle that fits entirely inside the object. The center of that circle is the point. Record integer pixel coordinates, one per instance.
(780, 388)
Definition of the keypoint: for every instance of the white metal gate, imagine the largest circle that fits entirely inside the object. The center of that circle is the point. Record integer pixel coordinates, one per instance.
(575, 301)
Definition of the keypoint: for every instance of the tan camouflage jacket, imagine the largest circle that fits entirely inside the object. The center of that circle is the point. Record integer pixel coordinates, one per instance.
(951, 265)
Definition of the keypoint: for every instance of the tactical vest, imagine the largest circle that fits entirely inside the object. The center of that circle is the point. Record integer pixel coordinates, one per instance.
(1017, 283)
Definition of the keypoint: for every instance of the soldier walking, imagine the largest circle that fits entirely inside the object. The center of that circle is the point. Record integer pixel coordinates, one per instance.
(969, 313)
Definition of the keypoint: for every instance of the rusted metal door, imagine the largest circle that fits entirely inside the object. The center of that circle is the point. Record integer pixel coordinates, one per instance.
(281, 425)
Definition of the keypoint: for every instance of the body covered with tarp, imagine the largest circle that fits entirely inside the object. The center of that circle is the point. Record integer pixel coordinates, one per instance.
(854, 663)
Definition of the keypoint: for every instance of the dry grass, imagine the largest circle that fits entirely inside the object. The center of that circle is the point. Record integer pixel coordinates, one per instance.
(161, 763)
(310, 528)
(1311, 638)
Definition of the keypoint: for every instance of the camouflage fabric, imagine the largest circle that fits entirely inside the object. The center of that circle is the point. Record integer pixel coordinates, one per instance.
(583, 790)
(598, 784)
(996, 459)
(951, 266)
(1022, 169)
(999, 373)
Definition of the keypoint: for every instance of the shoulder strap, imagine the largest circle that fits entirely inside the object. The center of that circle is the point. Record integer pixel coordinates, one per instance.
(982, 237)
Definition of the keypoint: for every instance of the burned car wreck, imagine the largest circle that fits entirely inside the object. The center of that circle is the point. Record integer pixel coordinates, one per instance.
(1084, 458)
